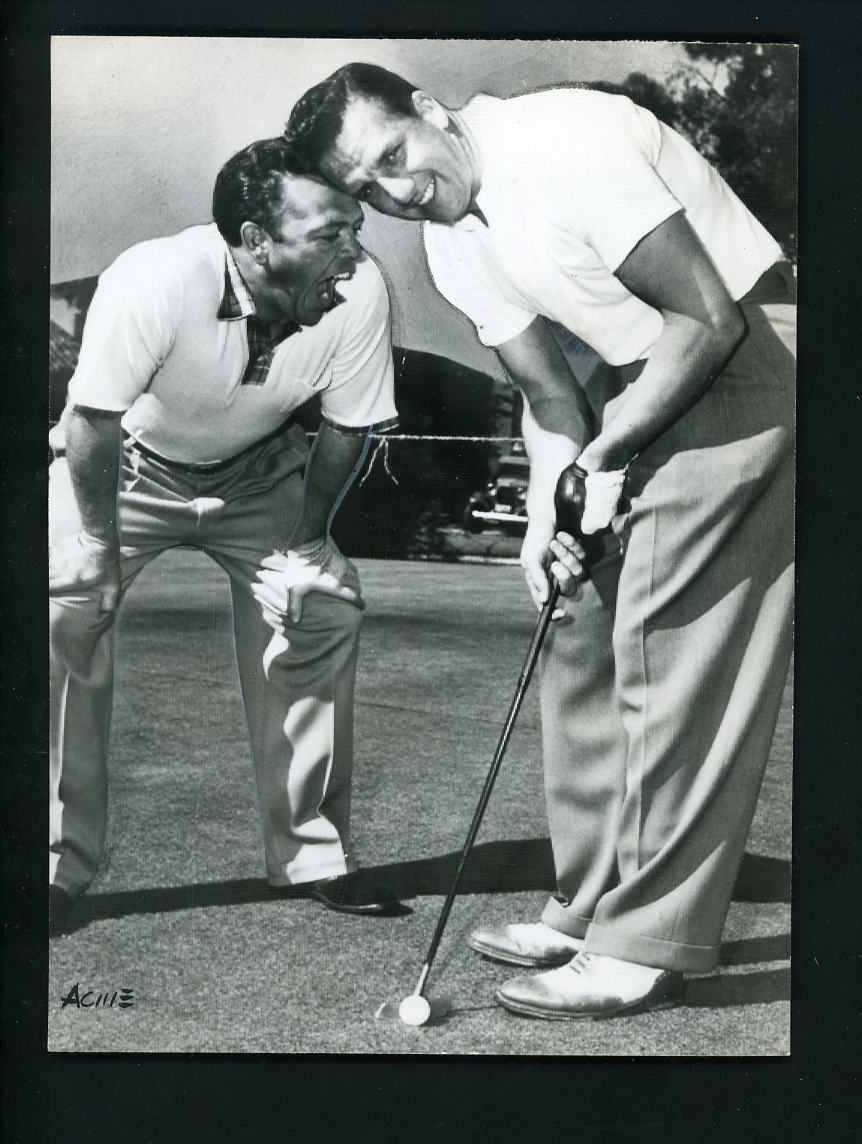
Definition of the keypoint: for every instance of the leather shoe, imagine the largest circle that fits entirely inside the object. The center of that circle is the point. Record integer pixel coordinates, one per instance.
(345, 894)
(592, 987)
(533, 944)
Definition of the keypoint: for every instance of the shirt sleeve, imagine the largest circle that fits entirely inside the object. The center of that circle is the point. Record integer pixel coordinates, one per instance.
(623, 198)
(360, 395)
(463, 277)
(128, 332)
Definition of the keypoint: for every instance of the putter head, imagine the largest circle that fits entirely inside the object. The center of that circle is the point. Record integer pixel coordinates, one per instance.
(389, 1011)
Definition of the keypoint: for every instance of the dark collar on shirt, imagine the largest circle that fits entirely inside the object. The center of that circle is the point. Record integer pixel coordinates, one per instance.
(237, 303)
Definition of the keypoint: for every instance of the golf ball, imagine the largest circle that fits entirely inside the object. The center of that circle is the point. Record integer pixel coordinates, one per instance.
(414, 1010)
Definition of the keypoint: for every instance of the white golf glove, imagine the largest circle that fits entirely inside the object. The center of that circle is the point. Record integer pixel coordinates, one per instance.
(603, 494)
(286, 578)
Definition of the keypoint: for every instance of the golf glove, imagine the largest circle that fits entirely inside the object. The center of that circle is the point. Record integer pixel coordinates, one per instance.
(286, 578)
(603, 492)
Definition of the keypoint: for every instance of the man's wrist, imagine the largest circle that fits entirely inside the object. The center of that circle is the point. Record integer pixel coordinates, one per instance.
(539, 506)
(102, 540)
(610, 452)
(309, 549)
(537, 520)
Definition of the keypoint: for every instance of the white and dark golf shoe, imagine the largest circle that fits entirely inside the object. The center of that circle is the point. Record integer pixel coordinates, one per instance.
(532, 944)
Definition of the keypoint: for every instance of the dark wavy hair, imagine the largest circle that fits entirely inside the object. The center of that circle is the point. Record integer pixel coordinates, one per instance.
(249, 187)
(317, 117)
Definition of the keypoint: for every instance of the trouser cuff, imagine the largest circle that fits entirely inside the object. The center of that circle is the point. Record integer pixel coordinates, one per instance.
(652, 951)
(309, 873)
(563, 919)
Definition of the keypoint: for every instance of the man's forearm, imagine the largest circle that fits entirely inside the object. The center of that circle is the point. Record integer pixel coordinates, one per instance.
(549, 454)
(557, 421)
(332, 466)
(670, 271)
(683, 364)
(538, 367)
(93, 455)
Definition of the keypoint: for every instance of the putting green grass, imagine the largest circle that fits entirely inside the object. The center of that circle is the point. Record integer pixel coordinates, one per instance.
(180, 912)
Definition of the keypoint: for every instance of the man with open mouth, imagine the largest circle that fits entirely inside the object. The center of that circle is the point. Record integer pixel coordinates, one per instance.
(179, 429)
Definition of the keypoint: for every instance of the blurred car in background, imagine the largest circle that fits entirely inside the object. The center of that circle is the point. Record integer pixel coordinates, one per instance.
(502, 503)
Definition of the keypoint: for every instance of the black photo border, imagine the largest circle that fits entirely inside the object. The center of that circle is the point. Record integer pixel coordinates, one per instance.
(810, 1094)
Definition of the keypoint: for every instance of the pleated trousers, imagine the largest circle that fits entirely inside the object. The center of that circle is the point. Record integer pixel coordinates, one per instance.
(660, 690)
(297, 689)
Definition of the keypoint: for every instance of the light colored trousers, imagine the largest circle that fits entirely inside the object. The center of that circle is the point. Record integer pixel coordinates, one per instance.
(297, 691)
(661, 687)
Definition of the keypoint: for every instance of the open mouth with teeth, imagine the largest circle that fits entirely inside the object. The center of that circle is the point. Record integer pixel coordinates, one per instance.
(327, 293)
(428, 193)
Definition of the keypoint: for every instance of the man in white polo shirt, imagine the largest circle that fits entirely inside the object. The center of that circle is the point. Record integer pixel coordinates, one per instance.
(570, 216)
(197, 351)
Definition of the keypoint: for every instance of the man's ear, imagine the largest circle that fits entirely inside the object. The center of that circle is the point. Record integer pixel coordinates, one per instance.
(430, 110)
(255, 240)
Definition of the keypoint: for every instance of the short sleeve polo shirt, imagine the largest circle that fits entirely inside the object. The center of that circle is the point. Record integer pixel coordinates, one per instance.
(156, 348)
(572, 180)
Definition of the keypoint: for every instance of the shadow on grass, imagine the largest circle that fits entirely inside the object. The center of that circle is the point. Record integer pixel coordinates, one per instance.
(762, 879)
(727, 990)
(747, 951)
(493, 868)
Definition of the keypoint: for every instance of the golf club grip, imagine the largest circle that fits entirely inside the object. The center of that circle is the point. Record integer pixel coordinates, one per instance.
(523, 682)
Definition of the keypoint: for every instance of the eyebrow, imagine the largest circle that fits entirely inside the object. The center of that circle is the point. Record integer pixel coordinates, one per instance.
(338, 224)
(393, 144)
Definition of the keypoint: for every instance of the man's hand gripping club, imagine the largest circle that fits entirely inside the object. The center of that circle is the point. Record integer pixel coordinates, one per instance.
(584, 503)
(286, 578)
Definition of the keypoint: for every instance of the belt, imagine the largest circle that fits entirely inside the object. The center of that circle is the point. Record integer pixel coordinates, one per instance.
(203, 467)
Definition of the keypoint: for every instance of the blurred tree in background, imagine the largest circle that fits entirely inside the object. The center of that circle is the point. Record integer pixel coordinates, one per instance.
(738, 105)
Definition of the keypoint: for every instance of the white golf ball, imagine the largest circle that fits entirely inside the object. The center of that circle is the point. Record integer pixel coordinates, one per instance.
(414, 1010)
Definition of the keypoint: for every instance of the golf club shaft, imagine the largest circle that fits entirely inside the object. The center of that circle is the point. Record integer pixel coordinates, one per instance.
(520, 691)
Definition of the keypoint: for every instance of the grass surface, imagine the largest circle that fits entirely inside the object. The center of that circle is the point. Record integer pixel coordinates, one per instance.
(180, 911)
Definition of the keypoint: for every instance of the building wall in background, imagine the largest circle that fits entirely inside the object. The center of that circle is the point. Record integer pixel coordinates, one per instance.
(141, 125)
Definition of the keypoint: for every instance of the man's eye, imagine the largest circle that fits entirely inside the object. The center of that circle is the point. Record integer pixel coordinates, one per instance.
(392, 157)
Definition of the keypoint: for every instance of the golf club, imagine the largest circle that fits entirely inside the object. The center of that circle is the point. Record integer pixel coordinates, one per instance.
(569, 499)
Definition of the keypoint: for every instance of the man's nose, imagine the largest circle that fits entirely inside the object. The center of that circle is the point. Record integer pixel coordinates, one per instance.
(402, 190)
(351, 250)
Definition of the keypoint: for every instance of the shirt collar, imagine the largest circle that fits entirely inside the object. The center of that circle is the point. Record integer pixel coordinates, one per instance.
(236, 301)
(475, 218)
(473, 221)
